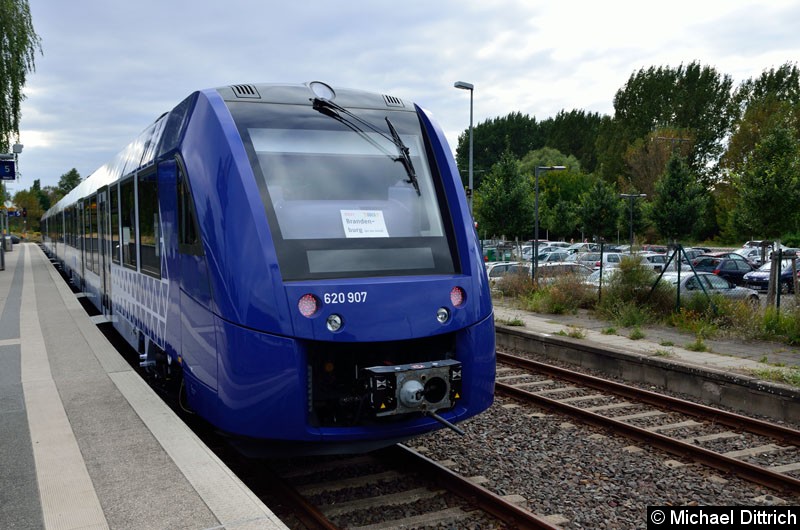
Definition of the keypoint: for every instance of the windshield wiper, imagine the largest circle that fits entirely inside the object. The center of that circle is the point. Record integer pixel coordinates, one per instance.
(329, 108)
(405, 156)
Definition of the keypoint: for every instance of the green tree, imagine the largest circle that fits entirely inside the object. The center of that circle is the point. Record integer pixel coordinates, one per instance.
(18, 46)
(599, 209)
(515, 133)
(574, 133)
(769, 185)
(68, 181)
(503, 205)
(764, 102)
(559, 220)
(693, 98)
(680, 201)
(29, 200)
(546, 156)
(43, 196)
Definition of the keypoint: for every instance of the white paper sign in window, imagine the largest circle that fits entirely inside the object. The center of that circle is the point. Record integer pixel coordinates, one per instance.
(364, 223)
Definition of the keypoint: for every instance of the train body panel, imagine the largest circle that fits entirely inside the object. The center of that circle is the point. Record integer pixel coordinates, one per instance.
(303, 259)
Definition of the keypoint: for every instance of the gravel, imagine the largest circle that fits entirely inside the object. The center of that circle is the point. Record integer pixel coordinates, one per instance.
(588, 477)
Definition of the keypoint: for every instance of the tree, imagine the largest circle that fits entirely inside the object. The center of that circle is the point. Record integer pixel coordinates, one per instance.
(68, 181)
(598, 210)
(515, 133)
(28, 200)
(503, 205)
(18, 46)
(647, 157)
(772, 98)
(575, 133)
(680, 201)
(769, 185)
(692, 98)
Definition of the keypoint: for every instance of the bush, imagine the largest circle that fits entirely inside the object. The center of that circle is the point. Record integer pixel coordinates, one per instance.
(566, 294)
(630, 298)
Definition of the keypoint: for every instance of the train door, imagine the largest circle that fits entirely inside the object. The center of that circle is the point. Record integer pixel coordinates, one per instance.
(198, 338)
(104, 240)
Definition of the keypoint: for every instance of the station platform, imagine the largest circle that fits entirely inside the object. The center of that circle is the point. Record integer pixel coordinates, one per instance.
(753, 377)
(84, 442)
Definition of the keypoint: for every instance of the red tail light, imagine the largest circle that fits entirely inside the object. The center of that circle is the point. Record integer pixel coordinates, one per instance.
(308, 305)
(457, 296)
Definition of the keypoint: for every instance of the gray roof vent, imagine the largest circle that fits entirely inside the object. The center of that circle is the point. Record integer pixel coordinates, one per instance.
(246, 91)
(392, 101)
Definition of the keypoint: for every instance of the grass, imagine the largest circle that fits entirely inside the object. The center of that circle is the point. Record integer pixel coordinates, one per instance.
(574, 332)
(636, 334)
(777, 375)
(698, 345)
(511, 322)
(630, 301)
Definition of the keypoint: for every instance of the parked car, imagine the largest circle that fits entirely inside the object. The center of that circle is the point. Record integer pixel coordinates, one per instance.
(498, 269)
(593, 279)
(759, 279)
(654, 261)
(578, 248)
(691, 286)
(550, 272)
(610, 260)
(552, 257)
(751, 254)
(730, 268)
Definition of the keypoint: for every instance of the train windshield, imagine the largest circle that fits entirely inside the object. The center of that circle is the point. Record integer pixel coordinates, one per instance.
(348, 197)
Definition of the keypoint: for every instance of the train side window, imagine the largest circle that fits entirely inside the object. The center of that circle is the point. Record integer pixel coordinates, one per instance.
(127, 201)
(87, 234)
(115, 224)
(188, 234)
(149, 224)
(94, 214)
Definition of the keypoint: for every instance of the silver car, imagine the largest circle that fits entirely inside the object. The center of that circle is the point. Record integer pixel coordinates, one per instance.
(713, 284)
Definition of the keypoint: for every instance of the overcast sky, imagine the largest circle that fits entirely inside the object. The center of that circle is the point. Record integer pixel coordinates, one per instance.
(110, 68)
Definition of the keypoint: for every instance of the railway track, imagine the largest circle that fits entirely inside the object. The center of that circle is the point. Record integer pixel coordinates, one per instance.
(389, 489)
(758, 451)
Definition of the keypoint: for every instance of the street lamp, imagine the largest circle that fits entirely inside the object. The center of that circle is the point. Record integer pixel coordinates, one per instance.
(536, 171)
(468, 86)
(632, 197)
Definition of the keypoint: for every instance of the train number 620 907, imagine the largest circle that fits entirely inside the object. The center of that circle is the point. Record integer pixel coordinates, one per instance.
(350, 297)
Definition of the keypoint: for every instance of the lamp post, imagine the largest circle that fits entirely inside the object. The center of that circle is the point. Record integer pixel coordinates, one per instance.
(632, 197)
(468, 86)
(536, 171)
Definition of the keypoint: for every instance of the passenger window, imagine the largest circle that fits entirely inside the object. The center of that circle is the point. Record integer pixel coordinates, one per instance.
(115, 224)
(149, 224)
(127, 199)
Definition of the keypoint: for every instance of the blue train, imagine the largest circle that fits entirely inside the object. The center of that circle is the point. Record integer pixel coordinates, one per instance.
(300, 258)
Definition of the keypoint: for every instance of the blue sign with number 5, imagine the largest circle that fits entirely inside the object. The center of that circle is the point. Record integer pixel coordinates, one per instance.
(7, 170)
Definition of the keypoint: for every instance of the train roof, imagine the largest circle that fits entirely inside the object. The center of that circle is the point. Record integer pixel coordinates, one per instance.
(142, 152)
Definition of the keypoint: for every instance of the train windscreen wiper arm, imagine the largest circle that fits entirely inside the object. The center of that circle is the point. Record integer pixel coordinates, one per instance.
(329, 108)
(405, 156)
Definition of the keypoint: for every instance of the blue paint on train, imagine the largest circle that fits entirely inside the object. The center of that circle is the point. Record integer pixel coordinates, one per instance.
(301, 258)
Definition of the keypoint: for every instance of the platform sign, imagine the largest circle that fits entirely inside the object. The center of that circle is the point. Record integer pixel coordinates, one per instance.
(8, 170)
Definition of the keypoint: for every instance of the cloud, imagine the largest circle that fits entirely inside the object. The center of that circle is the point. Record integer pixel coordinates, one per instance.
(109, 69)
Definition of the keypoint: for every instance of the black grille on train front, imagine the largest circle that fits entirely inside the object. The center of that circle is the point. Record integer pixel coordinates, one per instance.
(392, 101)
(246, 91)
(337, 392)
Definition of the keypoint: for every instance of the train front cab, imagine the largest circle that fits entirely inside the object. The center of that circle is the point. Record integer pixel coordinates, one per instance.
(277, 242)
